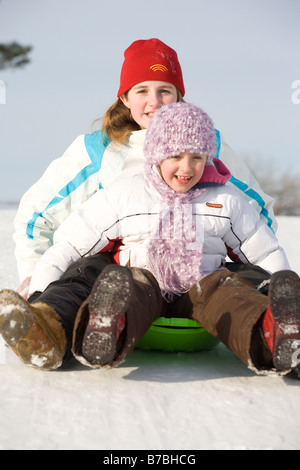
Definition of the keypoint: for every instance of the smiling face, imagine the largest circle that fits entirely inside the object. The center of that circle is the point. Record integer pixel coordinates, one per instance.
(183, 171)
(146, 97)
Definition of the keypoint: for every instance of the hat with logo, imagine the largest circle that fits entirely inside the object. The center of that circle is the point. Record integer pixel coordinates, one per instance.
(150, 59)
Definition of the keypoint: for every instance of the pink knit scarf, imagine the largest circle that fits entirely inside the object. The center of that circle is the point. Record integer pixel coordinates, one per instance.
(174, 251)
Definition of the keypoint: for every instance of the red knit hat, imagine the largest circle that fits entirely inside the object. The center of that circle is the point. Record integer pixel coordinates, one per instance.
(150, 59)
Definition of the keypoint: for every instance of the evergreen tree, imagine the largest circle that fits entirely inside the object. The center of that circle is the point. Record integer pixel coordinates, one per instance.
(14, 55)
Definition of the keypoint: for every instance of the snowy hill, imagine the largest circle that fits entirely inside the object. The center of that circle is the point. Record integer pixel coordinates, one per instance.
(206, 400)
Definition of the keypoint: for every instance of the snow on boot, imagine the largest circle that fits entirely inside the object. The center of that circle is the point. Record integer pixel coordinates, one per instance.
(107, 305)
(32, 331)
(281, 322)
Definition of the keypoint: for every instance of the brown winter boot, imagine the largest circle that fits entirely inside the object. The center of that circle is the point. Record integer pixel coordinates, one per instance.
(33, 331)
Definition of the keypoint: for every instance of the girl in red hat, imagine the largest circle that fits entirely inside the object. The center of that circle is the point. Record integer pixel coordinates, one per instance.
(151, 77)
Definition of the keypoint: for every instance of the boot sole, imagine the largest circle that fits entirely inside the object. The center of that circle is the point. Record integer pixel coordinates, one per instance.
(108, 302)
(22, 333)
(284, 293)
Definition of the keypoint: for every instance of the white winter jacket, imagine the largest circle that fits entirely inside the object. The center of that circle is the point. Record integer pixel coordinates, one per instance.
(125, 214)
(91, 163)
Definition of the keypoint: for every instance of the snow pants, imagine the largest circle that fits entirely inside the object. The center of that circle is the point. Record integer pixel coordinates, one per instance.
(227, 303)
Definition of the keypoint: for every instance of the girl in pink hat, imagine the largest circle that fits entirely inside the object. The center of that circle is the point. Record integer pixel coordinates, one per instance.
(173, 224)
(151, 77)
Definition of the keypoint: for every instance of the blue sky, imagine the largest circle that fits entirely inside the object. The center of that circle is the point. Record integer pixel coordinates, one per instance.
(239, 60)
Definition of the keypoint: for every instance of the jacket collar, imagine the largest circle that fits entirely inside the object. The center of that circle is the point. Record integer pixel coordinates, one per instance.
(215, 174)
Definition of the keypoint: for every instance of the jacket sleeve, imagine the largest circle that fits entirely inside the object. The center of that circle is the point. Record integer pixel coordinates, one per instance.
(67, 182)
(85, 232)
(246, 185)
(251, 240)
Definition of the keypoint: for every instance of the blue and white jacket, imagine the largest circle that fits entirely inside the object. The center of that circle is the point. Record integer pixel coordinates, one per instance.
(91, 163)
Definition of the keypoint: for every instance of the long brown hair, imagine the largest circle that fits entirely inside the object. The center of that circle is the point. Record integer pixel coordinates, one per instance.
(118, 123)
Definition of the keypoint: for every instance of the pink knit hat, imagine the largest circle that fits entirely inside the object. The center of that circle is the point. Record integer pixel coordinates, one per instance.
(150, 59)
(177, 128)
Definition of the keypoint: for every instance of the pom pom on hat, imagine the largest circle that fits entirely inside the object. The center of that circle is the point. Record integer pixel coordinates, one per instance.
(150, 59)
(177, 128)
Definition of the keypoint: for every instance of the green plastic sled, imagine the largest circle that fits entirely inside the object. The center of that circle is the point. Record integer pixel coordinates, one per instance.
(175, 335)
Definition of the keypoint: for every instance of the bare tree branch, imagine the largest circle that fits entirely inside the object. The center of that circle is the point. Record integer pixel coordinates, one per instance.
(283, 186)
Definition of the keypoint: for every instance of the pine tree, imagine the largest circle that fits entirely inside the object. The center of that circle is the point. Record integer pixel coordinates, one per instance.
(14, 55)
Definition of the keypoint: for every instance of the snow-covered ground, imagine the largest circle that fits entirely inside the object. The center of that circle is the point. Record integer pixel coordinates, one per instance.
(207, 400)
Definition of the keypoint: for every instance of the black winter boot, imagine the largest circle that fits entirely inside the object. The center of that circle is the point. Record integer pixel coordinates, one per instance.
(281, 322)
(123, 304)
(108, 303)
